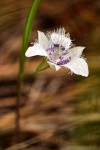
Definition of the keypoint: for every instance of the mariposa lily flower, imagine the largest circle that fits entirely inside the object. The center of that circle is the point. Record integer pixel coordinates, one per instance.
(59, 51)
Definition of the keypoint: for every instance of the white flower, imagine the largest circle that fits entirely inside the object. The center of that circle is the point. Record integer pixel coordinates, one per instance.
(57, 47)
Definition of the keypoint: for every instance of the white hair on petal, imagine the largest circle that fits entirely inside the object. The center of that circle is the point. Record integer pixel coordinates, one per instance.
(67, 35)
(70, 72)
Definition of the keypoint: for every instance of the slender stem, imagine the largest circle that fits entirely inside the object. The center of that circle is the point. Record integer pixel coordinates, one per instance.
(40, 64)
(27, 32)
(42, 69)
(25, 40)
(36, 71)
(18, 100)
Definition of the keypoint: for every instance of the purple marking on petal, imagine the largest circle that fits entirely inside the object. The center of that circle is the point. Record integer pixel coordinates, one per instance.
(56, 45)
(57, 53)
(50, 53)
(60, 57)
(63, 62)
(60, 63)
(65, 52)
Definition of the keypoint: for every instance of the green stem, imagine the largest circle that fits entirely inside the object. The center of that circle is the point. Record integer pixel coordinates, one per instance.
(18, 100)
(26, 35)
(41, 64)
(36, 71)
(25, 40)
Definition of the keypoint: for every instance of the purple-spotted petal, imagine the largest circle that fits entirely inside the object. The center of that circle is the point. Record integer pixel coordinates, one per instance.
(36, 50)
(78, 66)
(42, 39)
(54, 66)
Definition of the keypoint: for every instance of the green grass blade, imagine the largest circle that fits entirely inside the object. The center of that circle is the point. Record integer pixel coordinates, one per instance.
(26, 35)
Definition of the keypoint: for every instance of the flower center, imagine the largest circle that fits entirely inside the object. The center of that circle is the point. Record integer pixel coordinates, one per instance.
(58, 54)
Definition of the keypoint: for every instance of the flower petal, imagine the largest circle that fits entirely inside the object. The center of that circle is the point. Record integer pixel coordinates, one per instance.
(74, 52)
(42, 39)
(54, 66)
(61, 40)
(36, 50)
(78, 66)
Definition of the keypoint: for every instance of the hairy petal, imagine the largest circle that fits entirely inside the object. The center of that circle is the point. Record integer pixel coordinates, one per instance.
(42, 39)
(61, 40)
(78, 66)
(35, 50)
(54, 66)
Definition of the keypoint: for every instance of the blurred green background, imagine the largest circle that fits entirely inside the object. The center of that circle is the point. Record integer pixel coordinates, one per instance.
(58, 111)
